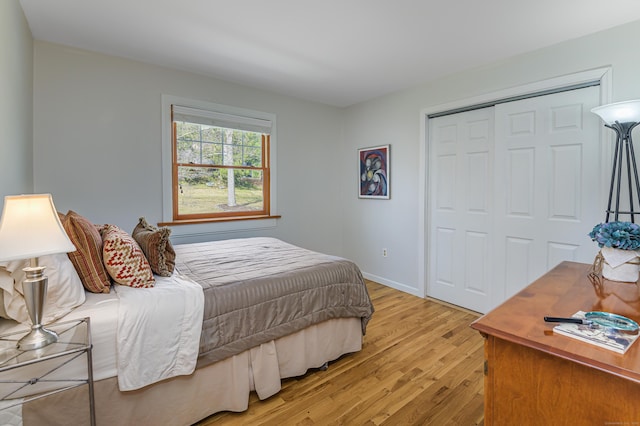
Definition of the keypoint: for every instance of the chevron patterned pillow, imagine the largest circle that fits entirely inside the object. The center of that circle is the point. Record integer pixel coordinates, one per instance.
(124, 260)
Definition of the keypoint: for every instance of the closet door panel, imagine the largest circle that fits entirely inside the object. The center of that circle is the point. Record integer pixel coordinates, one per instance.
(461, 191)
(512, 192)
(546, 195)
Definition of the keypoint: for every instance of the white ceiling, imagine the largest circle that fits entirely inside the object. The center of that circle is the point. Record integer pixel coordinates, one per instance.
(337, 52)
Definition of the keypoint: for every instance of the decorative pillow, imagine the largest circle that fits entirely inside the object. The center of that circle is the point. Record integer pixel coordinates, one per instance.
(124, 259)
(156, 246)
(87, 259)
(64, 289)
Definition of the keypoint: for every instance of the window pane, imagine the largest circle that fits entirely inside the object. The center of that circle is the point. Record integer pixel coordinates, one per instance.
(206, 190)
(211, 134)
(211, 153)
(188, 152)
(252, 157)
(208, 145)
(188, 131)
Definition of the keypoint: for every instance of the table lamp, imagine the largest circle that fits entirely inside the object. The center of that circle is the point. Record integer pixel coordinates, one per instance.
(30, 228)
(622, 117)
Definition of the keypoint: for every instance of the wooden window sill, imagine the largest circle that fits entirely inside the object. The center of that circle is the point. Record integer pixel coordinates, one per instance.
(214, 220)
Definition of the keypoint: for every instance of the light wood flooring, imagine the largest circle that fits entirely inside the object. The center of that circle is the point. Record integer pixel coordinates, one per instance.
(420, 364)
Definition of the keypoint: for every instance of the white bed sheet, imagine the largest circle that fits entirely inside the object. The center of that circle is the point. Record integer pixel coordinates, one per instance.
(119, 319)
(158, 331)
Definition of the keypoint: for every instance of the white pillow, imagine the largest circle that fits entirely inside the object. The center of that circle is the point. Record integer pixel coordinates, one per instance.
(64, 292)
(5, 281)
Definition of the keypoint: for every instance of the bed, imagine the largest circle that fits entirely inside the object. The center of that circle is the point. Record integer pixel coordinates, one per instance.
(270, 310)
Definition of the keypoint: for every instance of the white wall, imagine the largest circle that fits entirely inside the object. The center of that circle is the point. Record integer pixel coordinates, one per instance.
(16, 101)
(395, 119)
(97, 142)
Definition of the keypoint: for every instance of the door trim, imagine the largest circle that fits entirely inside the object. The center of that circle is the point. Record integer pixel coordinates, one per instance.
(606, 149)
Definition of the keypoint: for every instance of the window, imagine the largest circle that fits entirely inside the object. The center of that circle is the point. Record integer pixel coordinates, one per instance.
(220, 167)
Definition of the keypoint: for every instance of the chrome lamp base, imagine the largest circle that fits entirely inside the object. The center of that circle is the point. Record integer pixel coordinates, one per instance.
(38, 337)
(35, 295)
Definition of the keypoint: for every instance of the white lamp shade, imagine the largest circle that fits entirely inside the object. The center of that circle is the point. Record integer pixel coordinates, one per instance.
(30, 227)
(622, 112)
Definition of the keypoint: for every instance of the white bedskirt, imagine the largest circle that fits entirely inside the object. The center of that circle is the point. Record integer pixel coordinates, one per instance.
(223, 386)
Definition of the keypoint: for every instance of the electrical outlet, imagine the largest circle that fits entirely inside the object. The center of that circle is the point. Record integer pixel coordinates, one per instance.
(384, 252)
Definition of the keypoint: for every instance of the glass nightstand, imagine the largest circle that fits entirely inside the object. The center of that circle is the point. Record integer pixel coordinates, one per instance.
(41, 372)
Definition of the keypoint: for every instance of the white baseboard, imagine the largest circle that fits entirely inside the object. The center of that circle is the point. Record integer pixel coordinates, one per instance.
(392, 284)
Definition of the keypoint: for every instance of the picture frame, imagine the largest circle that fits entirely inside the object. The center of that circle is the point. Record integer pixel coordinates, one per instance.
(373, 177)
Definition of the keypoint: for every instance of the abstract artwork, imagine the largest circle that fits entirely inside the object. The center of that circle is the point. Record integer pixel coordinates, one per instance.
(374, 172)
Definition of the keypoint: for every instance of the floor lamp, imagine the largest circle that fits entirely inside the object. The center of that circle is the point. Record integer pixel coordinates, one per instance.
(30, 228)
(622, 117)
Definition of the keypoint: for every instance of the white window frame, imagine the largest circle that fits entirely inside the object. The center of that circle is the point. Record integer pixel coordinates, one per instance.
(192, 232)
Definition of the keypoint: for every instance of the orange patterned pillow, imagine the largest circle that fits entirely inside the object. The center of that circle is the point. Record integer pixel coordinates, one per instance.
(87, 259)
(124, 259)
(156, 246)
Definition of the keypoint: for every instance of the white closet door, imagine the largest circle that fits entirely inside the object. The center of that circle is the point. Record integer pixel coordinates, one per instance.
(547, 180)
(461, 196)
(513, 191)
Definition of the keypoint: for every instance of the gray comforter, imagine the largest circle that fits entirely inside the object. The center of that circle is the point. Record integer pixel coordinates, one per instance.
(260, 289)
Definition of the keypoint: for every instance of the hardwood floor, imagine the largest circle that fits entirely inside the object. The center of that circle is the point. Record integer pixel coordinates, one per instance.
(420, 364)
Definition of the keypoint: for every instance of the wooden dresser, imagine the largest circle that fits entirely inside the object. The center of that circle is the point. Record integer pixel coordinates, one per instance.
(536, 377)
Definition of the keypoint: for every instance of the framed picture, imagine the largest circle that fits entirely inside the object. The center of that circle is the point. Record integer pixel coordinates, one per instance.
(373, 164)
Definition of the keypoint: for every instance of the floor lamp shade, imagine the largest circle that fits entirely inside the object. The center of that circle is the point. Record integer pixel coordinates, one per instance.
(30, 228)
(621, 112)
(622, 117)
